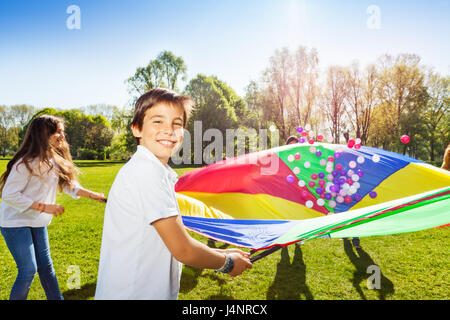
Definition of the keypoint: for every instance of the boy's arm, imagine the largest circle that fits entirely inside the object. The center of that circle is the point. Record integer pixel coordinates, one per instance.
(192, 252)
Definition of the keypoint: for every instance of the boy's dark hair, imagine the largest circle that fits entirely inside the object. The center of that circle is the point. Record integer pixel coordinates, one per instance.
(291, 139)
(156, 96)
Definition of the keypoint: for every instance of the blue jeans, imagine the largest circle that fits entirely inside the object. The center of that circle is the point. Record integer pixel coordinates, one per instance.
(31, 252)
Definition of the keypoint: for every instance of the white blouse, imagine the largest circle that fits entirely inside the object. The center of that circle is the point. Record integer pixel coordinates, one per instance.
(22, 188)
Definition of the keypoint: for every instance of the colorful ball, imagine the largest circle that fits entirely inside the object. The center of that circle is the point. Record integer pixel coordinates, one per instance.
(405, 139)
(373, 194)
(339, 166)
(332, 204)
(314, 176)
(302, 183)
(311, 184)
(318, 153)
(351, 143)
(290, 179)
(309, 204)
(297, 156)
(299, 129)
(319, 190)
(311, 141)
(348, 199)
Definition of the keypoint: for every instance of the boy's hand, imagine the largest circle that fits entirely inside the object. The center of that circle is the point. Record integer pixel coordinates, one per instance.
(235, 250)
(54, 209)
(241, 263)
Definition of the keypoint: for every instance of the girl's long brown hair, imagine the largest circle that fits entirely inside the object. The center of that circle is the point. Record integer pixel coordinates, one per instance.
(36, 145)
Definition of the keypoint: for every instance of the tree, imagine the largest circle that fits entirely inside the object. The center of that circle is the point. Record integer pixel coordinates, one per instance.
(361, 98)
(335, 93)
(164, 71)
(276, 78)
(402, 90)
(437, 113)
(214, 109)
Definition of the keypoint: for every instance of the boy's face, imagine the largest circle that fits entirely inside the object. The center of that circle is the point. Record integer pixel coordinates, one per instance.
(162, 130)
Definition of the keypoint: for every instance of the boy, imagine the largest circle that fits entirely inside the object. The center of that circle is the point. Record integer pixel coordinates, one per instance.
(144, 239)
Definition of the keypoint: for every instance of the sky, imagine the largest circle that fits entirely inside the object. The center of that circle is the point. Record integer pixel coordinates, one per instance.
(45, 63)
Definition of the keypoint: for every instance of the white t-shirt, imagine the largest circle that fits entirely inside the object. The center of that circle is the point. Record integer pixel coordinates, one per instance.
(22, 188)
(134, 261)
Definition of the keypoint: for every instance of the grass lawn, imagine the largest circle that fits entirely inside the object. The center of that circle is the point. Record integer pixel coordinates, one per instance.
(413, 266)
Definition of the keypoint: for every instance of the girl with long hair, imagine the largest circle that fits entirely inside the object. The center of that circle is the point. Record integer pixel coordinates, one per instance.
(42, 166)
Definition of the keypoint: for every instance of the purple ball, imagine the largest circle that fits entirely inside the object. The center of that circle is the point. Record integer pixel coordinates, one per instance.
(328, 196)
(360, 173)
(318, 153)
(333, 188)
(321, 175)
(335, 173)
(337, 155)
(343, 173)
(357, 197)
(319, 190)
(336, 180)
(373, 194)
(342, 180)
(290, 179)
(299, 129)
(301, 140)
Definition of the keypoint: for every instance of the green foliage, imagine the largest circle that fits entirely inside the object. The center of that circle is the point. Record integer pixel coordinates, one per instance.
(165, 71)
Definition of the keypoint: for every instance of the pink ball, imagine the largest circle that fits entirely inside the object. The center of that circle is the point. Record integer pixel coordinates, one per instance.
(339, 166)
(405, 139)
(330, 159)
(314, 176)
(321, 182)
(311, 184)
(311, 141)
(351, 143)
(348, 199)
(357, 146)
(297, 156)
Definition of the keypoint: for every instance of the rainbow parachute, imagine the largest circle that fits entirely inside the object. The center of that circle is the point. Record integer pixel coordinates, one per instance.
(300, 192)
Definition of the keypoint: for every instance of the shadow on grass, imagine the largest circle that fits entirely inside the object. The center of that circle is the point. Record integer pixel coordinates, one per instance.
(362, 261)
(290, 280)
(84, 293)
(96, 163)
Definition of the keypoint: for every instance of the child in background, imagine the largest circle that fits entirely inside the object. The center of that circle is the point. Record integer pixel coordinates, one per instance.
(28, 189)
(144, 241)
(446, 160)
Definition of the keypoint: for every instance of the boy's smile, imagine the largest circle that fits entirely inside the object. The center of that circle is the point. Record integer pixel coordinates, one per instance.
(162, 130)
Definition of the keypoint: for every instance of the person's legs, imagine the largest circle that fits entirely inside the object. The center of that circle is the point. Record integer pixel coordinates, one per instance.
(44, 262)
(356, 243)
(20, 243)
